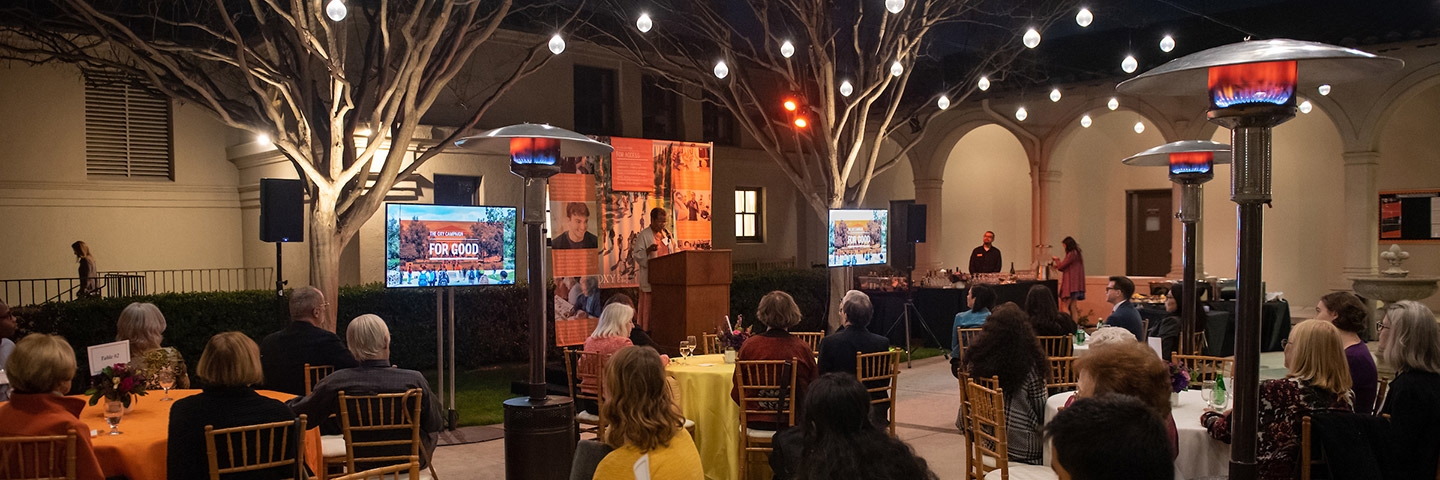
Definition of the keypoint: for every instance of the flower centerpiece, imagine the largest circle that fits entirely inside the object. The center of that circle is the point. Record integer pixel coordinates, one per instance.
(1179, 381)
(115, 383)
(733, 339)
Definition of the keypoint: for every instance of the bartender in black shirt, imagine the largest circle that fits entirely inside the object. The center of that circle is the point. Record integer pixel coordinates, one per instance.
(985, 258)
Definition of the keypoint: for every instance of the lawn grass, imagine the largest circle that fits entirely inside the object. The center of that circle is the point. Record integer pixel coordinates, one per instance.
(926, 352)
(480, 393)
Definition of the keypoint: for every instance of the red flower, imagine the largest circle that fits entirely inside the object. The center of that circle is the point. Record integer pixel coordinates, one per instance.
(127, 383)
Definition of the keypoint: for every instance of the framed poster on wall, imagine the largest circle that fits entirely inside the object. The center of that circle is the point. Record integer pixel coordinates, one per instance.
(1410, 216)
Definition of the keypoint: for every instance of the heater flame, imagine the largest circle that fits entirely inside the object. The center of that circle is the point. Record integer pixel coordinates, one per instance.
(1193, 164)
(1251, 83)
(534, 151)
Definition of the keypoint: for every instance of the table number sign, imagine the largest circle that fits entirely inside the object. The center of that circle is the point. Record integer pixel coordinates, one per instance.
(107, 354)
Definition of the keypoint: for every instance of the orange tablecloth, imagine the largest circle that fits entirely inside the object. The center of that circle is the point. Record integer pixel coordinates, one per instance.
(140, 452)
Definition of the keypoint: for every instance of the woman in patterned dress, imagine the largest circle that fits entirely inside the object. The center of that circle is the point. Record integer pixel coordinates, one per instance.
(144, 326)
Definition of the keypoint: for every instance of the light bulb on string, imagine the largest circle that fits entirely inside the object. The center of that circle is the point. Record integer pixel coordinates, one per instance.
(787, 49)
(1085, 121)
(943, 102)
(721, 70)
(1084, 17)
(1031, 38)
(984, 83)
(1324, 89)
(1139, 127)
(896, 69)
(1021, 114)
(1055, 95)
(1305, 106)
(557, 44)
(894, 6)
(1113, 103)
(846, 89)
(336, 10)
(1129, 64)
(644, 23)
(1167, 44)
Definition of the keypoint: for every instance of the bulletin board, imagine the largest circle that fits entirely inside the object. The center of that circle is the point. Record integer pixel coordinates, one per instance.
(1410, 216)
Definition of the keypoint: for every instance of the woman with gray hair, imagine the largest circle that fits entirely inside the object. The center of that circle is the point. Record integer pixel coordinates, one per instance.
(144, 326)
(1410, 344)
(778, 312)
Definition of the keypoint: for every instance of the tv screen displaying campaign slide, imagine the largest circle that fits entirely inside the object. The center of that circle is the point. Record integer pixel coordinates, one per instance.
(445, 246)
(858, 237)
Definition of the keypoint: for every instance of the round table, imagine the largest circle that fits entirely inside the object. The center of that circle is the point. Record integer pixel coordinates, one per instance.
(705, 382)
(139, 453)
(1200, 455)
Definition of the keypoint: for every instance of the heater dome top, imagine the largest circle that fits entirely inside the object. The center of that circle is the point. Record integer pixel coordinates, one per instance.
(1318, 63)
(1160, 156)
(497, 141)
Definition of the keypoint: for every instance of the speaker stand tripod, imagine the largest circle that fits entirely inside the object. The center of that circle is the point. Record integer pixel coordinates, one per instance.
(906, 319)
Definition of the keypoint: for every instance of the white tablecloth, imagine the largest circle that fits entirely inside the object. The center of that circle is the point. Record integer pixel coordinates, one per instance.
(1200, 455)
(1081, 349)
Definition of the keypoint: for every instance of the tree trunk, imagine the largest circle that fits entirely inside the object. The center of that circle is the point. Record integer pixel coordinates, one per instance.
(325, 248)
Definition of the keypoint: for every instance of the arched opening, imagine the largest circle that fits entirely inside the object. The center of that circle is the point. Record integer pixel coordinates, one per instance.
(987, 188)
(1408, 161)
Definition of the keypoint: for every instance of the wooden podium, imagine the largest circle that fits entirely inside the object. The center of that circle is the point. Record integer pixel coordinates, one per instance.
(689, 295)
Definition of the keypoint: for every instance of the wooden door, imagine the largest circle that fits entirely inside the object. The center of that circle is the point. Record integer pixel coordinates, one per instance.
(1148, 227)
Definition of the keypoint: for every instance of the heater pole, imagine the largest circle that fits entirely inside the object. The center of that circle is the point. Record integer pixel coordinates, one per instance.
(1189, 295)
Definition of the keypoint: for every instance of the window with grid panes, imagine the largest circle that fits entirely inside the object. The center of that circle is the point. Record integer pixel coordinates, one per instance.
(749, 215)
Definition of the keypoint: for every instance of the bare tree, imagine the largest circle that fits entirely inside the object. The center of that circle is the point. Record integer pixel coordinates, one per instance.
(848, 66)
(284, 69)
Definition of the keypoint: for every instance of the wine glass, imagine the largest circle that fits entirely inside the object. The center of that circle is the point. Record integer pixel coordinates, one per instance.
(685, 349)
(165, 379)
(1207, 393)
(113, 411)
(694, 345)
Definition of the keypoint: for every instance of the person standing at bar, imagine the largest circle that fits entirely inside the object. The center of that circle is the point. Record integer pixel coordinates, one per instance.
(986, 258)
(650, 243)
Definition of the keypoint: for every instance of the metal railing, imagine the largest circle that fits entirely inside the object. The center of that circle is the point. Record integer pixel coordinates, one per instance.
(34, 291)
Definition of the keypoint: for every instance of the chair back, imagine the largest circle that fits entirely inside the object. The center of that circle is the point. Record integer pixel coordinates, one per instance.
(1204, 370)
(987, 429)
(586, 369)
(41, 457)
(399, 471)
(276, 445)
(378, 428)
(966, 336)
(1063, 377)
(710, 344)
(1197, 342)
(812, 338)
(879, 372)
(315, 373)
(1145, 328)
(1381, 390)
(767, 387)
(1060, 346)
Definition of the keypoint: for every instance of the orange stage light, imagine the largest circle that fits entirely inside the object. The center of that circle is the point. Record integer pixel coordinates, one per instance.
(790, 105)
(801, 122)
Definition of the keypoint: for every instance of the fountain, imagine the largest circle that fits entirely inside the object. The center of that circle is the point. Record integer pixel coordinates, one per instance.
(1394, 284)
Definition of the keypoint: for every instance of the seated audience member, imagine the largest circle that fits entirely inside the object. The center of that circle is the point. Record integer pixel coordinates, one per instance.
(369, 340)
(143, 325)
(608, 338)
(1087, 436)
(1318, 381)
(1108, 335)
(637, 336)
(1045, 316)
(1128, 368)
(8, 326)
(1124, 314)
(824, 444)
(980, 299)
(230, 367)
(40, 372)
(1410, 343)
(1168, 329)
(1350, 316)
(1007, 348)
(284, 354)
(838, 350)
(778, 311)
(642, 421)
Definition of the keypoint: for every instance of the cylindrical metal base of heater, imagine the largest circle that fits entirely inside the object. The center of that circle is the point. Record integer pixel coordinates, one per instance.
(539, 438)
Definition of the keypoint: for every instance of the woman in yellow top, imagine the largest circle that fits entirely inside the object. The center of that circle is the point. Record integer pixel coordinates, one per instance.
(642, 423)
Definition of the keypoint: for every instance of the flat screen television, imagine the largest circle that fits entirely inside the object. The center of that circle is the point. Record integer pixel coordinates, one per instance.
(448, 246)
(858, 237)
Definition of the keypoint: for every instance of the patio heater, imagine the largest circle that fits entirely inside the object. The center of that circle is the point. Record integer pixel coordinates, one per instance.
(1251, 89)
(1191, 164)
(539, 428)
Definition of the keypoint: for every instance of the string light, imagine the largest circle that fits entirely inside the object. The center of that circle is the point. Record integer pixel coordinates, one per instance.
(1085, 121)
(721, 70)
(1055, 95)
(1031, 38)
(1021, 114)
(846, 89)
(336, 10)
(894, 6)
(1167, 44)
(644, 23)
(943, 102)
(1113, 103)
(1129, 64)
(984, 83)
(1139, 127)
(557, 44)
(1305, 106)
(896, 69)
(1084, 17)
(1325, 89)
(787, 49)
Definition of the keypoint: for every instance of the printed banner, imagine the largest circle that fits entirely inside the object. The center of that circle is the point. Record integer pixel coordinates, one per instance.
(692, 200)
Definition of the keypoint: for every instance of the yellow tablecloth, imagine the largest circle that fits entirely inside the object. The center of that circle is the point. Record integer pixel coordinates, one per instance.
(705, 382)
(140, 452)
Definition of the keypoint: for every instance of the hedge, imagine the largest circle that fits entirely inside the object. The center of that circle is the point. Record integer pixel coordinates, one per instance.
(490, 322)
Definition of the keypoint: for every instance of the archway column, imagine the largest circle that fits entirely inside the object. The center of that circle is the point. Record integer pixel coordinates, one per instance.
(927, 192)
(1046, 214)
(1362, 216)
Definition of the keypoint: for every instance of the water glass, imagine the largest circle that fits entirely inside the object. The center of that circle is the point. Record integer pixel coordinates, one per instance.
(694, 345)
(114, 410)
(165, 379)
(685, 349)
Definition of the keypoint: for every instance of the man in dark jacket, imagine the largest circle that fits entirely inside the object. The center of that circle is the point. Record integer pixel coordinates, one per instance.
(1124, 314)
(838, 350)
(283, 354)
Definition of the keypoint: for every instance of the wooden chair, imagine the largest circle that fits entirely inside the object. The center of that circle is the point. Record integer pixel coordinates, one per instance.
(588, 368)
(395, 472)
(1061, 346)
(1198, 341)
(1382, 390)
(1203, 369)
(1063, 377)
(989, 447)
(256, 447)
(332, 447)
(41, 457)
(1145, 328)
(710, 344)
(377, 426)
(812, 338)
(966, 336)
(875, 367)
(766, 387)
